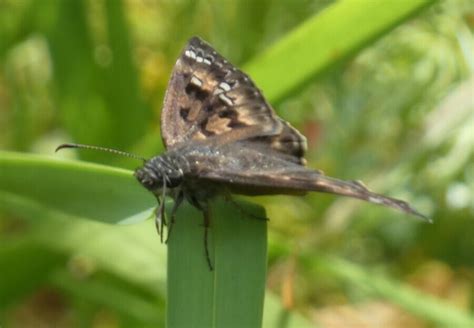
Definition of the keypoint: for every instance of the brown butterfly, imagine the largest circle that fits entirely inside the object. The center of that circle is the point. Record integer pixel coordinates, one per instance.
(222, 136)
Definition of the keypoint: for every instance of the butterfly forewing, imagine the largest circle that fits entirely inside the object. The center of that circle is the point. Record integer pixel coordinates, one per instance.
(208, 97)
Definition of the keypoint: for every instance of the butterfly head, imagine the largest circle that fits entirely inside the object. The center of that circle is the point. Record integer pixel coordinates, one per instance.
(158, 173)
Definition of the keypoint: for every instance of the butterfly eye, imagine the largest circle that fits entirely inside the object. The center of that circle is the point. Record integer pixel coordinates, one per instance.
(147, 178)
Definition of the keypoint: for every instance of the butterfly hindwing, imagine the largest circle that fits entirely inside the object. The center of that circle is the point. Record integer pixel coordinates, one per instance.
(298, 182)
(260, 171)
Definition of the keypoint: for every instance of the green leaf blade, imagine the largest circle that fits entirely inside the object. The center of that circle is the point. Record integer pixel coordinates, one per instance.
(325, 40)
(78, 189)
(231, 295)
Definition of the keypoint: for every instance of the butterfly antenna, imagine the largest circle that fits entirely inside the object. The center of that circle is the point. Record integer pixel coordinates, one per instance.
(109, 150)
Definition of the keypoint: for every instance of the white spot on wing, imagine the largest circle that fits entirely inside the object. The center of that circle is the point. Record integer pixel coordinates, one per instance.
(224, 86)
(225, 99)
(196, 81)
(190, 54)
(221, 88)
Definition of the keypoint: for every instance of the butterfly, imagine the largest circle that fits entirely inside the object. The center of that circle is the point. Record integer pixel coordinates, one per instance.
(223, 137)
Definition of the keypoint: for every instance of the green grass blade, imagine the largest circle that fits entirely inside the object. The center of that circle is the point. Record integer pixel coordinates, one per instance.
(78, 189)
(232, 294)
(324, 40)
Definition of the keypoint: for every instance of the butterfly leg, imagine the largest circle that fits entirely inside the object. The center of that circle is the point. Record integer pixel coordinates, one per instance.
(160, 220)
(207, 223)
(204, 208)
(178, 200)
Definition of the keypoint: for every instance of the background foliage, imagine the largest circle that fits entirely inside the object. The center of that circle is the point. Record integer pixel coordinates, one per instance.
(398, 114)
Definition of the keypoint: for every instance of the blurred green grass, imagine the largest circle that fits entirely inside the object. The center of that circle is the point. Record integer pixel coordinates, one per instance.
(397, 115)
